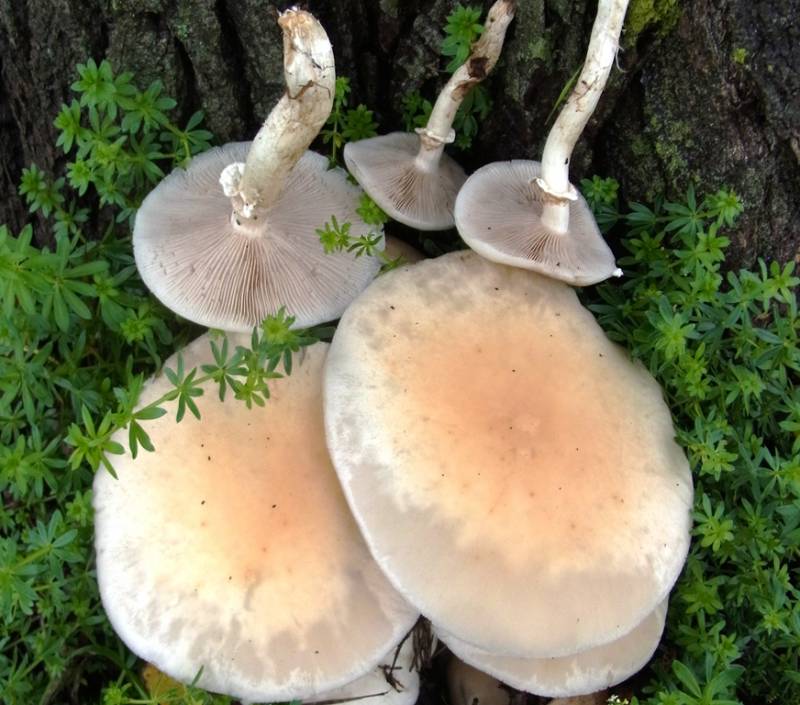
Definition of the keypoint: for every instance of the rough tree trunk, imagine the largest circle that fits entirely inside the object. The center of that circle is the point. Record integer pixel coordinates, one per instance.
(710, 90)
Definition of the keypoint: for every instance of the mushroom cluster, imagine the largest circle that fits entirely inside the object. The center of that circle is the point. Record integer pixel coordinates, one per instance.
(470, 447)
(514, 474)
(231, 553)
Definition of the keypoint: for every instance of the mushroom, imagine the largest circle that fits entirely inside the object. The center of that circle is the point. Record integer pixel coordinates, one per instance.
(409, 176)
(529, 215)
(225, 243)
(514, 473)
(230, 551)
(578, 674)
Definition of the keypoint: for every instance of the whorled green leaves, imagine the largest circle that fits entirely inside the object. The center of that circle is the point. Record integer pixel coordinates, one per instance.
(724, 345)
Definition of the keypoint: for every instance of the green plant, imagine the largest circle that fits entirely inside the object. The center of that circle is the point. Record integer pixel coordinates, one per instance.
(462, 29)
(336, 237)
(724, 346)
(346, 125)
(416, 111)
(78, 335)
(122, 139)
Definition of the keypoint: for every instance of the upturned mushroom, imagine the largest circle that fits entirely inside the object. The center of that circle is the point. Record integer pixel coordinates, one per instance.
(232, 238)
(513, 472)
(528, 214)
(409, 176)
(230, 552)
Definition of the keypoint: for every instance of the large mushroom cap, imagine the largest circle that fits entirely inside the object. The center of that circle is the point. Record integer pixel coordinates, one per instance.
(513, 472)
(565, 676)
(203, 265)
(498, 214)
(386, 168)
(231, 548)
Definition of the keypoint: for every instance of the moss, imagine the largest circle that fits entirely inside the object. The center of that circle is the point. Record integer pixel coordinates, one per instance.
(660, 15)
(563, 8)
(640, 146)
(530, 50)
(671, 140)
(539, 49)
(739, 55)
(389, 8)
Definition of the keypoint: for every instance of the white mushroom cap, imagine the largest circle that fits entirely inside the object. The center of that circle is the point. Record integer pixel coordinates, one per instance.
(386, 168)
(210, 269)
(564, 676)
(374, 688)
(513, 472)
(231, 547)
(498, 214)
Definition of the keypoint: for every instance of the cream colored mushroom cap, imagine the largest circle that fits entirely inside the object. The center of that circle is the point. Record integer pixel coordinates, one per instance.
(565, 676)
(210, 270)
(498, 214)
(513, 472)
(385, 168)
(231, 547)
(374, 688)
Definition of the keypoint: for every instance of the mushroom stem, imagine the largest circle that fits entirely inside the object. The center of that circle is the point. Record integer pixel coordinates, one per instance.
(294, 122)
(483, 56)
(554, 183)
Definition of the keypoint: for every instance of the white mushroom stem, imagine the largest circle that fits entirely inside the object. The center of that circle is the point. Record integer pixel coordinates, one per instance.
(294, 122)
(484, 54)
(554, 182)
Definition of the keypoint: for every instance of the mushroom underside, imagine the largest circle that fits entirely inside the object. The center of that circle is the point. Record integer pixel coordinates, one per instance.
(498, 214)
(386, 169)
(204, 266)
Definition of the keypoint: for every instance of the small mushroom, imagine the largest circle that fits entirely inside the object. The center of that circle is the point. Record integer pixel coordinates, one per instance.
(232, 238)
(230, 551)
(409, 176)
(528, 214)
(488, 429)
(566, 676)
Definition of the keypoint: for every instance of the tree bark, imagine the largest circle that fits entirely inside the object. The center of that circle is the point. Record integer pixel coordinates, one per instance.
(709, 91)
